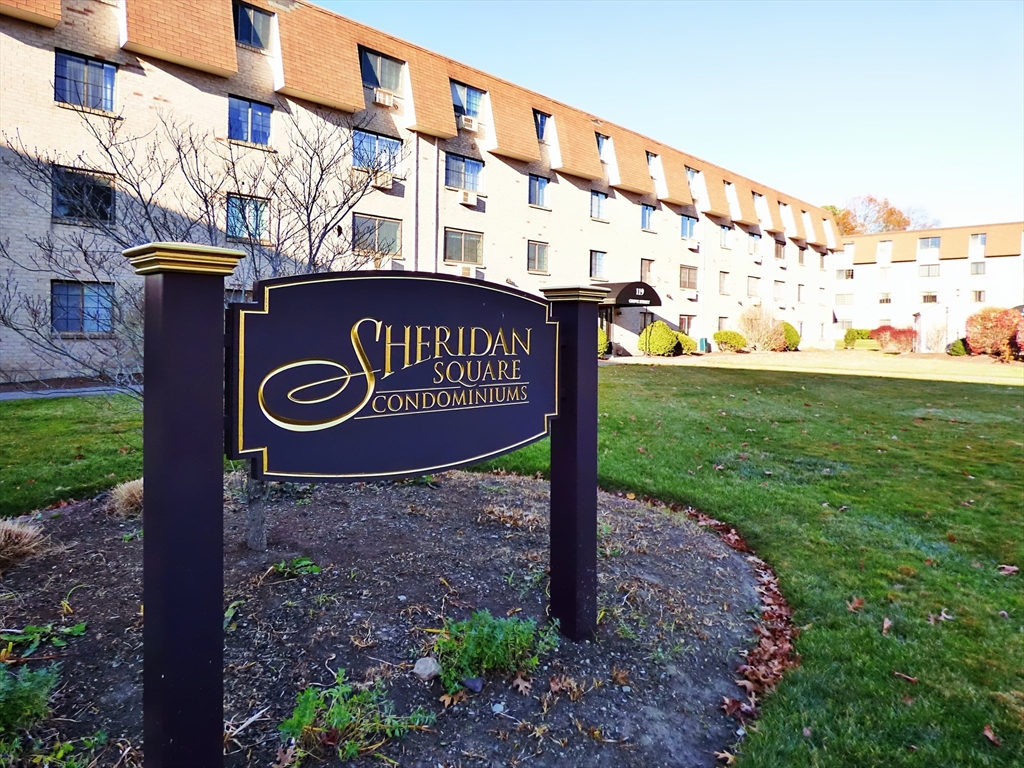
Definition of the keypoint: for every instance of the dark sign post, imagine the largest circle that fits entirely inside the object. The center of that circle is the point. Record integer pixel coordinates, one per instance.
(573, 549)
(183, 463)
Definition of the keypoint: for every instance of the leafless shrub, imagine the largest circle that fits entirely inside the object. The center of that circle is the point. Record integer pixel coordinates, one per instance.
(764, 333)
(18, 541)
(126, 499)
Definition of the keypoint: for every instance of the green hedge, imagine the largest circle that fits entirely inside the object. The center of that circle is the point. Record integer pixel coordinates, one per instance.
(852, 334)
(658, 339)
(686, 344)
(792, 337)
(958, 348)
(730, 341)
(602, 342)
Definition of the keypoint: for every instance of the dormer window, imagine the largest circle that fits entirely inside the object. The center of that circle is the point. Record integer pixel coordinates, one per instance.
(252, 26)
(540, 120)
(603, 144)
(380, 71)
(466, 99)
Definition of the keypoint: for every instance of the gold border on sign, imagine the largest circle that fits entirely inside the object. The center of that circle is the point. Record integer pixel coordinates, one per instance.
(263, 452)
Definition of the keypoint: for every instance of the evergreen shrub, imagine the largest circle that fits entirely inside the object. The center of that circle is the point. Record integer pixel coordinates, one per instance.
(729, 341)
(792, 337)
(658, 339)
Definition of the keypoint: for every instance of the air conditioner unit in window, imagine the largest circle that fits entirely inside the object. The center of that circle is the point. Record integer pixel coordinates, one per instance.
(469, 123)
(691, 243)
(690, 294)
(467, 197)
(382, 180)
(383, 98)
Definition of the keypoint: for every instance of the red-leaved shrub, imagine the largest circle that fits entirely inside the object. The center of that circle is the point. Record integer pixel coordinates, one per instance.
(993, 331)
(1020, 335)
(892, 339)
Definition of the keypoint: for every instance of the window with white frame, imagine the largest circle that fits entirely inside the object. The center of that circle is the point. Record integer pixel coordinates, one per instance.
(81, 307)
(976, 248)
(821, 261)
(689, 226)
(377, 236)
(81, 197)
(603, 144)
(647, 217)
(540, 122)
(537, 257)
(779, 292)
(380, 71)
(723, 283)
(754, 244)
(885, 298)
(462, 172)
(800, 255)
(977, 267)
(83, 81)
(925, 244)
(725, 232)
(598, 202)
(844, 299)
(597, 264)
(252, 26)
(928, 270)
(979, 239)
(844, 274)
(753, 286)
(466, 99)
(463, 247)
(686, 323)
(691, 181)
(688, 278)
(800, 293)
(538, 191)
(646, 268)
(248, 218)
(929, 298)
(978, 296)
(780, 250)
(249, 121)
(372, 151)
(723, 323)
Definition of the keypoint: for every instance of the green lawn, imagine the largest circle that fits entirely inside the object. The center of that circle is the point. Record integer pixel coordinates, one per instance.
(66, 448)
(907, 494)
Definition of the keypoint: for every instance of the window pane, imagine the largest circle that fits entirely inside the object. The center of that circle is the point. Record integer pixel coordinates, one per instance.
(453, 246)
(390, 74)
(236, 217)
(65, 307)
(260, 124)
(260, 29)
(243, 24)
(471, 248)
(238, 119)
(459, 98)
(390, 151)
(389, 236)
(70, 79)
(473, 98)
(97, 306)
(454, 171)
(368, 64)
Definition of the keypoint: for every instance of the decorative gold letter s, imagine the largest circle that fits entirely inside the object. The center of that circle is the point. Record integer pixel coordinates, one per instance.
(297, 425)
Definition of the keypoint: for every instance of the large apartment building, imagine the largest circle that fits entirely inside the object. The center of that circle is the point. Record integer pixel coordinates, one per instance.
(928, 279)
(472, 175)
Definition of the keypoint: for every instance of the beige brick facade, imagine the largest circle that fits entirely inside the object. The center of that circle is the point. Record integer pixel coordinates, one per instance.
(178, 61)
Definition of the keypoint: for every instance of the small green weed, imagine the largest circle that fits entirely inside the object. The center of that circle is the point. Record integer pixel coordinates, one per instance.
(483, 644)
(299, 566)
(353, 722)
(73, 753)
(34, 635)
(24, 697)
(132, 535)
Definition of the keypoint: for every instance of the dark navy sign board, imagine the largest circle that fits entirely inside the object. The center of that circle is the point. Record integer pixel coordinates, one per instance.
(373, 375)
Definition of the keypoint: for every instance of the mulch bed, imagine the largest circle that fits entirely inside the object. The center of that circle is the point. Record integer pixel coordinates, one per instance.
(677, 603)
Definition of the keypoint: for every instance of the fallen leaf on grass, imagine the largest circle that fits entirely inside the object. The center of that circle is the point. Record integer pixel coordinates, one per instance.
(951, 537)
(886, 626)
(729, 759)
(943, 616)
(855, 605)
(988, 734)
(522, 685)
(1008, 570)
(908, 678)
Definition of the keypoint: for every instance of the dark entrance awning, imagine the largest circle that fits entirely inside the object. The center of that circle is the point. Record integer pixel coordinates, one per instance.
(631, 295)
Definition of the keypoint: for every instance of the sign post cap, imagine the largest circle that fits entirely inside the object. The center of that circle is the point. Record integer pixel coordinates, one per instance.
(154, 258)
(590, 294)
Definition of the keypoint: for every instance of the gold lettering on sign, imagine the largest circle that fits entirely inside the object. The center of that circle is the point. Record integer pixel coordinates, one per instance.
(299, 425)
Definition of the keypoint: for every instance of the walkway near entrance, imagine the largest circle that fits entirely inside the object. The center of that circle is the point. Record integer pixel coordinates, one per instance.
(926, 367)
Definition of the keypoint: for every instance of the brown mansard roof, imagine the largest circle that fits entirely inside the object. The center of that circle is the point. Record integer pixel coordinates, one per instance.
(320, 63)
(1000, 240)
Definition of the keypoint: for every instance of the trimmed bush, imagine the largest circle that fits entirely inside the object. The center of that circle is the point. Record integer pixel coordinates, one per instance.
(602, 342)
(958, 348)
(792, 336)
(658, 339)
(729, 341)
(1020, 335)
(686, 344)
(993, 331)
(893, 339)
(852, 334)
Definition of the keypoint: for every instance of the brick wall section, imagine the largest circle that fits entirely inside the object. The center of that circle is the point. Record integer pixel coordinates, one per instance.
(199, 35)
(44, 12)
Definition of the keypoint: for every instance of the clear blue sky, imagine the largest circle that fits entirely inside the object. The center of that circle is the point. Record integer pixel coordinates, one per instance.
(920, 102)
